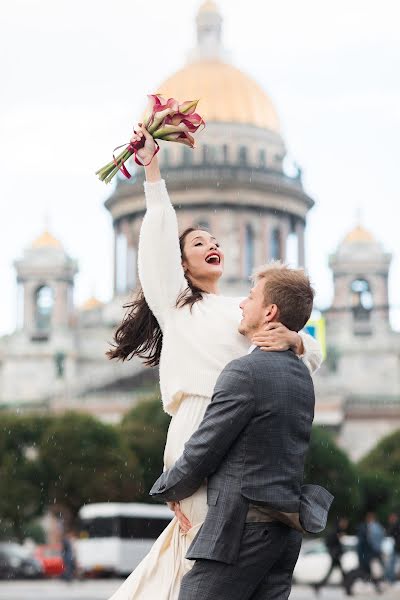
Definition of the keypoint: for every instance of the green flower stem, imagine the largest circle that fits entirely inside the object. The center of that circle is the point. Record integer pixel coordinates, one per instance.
(120, 159)
(110, 167)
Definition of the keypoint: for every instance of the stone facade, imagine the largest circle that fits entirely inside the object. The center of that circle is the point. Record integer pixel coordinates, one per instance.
(236, 185)
(358, 387)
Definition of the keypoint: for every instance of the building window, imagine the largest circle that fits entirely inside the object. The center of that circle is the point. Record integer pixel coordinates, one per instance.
(187, 156)
(121, 257)
(44, 304)
(361, 299)
(202, 224)
(262, 159)
(242, 155)
(225, 154)
(165, 157)
(208, 154)
(249, 251)
(275, 244)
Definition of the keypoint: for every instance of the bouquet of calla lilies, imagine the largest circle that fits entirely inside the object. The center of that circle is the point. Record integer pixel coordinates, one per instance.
(164, 120)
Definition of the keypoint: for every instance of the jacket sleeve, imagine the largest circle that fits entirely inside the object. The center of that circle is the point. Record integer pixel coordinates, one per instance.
(229, 412)
(159, 256)
(312, 356)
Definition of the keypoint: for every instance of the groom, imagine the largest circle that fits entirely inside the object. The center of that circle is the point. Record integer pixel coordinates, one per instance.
(251, 445)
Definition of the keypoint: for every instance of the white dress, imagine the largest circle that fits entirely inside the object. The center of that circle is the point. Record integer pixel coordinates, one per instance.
(197, 344)
(159, 575)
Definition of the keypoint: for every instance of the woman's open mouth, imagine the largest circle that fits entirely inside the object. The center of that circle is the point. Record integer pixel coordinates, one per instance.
(213, 258)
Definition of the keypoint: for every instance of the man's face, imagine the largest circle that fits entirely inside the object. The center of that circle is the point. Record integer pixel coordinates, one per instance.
(254, 311)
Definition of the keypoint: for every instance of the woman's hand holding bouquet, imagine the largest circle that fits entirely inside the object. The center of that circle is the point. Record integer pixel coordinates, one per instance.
(164, 120)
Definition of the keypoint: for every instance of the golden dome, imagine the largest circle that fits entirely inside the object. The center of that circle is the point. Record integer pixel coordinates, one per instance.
(91, 303)
(359, 234)
(46, 240)
(226, 94)
(208, 6)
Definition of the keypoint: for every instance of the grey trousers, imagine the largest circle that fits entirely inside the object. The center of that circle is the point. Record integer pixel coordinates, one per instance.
(264, 570)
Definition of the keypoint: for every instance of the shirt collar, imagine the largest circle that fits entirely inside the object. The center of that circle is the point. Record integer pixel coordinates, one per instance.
(252, 347)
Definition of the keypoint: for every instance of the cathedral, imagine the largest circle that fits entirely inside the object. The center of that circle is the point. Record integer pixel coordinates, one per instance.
(237, 184)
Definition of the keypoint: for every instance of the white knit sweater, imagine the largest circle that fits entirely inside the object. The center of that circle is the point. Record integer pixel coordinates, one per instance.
(197, 343)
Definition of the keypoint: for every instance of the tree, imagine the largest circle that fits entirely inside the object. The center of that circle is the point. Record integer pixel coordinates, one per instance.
(330, 467)
(380, 470)
(144, 430)
(20, 474)
(83, 461)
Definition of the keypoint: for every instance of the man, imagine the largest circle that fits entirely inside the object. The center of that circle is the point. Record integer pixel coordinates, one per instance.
(393, 531)
(370, 536)
(251, 445)
(335, 548)
(68, 556)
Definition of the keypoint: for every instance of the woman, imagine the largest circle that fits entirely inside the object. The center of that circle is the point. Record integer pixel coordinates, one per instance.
(181, 322)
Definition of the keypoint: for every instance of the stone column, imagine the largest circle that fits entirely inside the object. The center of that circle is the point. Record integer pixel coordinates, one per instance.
(300, 227)
(60, 305)
(266, 232)
(285, 230)
(29, 305)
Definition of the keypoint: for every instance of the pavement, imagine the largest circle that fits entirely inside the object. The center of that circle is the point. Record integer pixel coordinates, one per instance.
(102, 589)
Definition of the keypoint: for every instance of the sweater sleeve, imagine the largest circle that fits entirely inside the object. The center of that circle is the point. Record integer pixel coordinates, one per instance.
(159, 256)
(312, 356)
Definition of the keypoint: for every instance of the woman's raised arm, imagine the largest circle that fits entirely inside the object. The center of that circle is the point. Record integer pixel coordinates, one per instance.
(159, 257)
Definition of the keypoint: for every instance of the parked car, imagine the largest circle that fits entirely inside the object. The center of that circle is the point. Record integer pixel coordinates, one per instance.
(17, 563)
(314, 561)
(51, 560)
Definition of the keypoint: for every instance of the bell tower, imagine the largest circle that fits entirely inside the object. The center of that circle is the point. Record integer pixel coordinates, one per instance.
(45, 277)
(360, 269)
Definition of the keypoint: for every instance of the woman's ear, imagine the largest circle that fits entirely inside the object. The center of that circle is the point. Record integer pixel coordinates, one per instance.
(184, 266)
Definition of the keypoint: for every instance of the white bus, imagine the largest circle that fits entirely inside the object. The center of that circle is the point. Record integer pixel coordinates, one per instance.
(114, 537)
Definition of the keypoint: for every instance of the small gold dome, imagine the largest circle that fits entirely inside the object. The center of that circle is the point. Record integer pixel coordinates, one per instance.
(91, 303)
(359, 234)
(208, 6)
(226, 94)
(46, 240)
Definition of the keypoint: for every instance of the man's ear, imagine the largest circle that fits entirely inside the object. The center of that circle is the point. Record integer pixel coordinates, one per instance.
(271, 313)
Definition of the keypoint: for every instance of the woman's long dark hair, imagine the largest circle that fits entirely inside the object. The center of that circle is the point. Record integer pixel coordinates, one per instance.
(139, 333)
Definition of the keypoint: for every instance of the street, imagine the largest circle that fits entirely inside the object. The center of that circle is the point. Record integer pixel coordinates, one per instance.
(104, 588)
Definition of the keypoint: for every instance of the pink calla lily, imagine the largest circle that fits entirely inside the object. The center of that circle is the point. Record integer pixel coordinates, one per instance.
(165, 119)
(180, 138)
(192, 122)
(188, 107)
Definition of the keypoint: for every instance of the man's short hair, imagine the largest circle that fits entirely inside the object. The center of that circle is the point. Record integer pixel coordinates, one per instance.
(290, 289)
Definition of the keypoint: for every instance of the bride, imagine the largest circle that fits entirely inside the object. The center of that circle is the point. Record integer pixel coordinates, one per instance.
(181, 322)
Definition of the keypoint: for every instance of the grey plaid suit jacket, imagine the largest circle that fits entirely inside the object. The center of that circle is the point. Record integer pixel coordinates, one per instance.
(251, 445)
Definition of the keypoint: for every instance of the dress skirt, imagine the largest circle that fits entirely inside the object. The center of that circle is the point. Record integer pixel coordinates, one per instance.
(160, 573)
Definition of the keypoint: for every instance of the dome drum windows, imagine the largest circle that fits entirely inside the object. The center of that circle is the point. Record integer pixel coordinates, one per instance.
(187, 156)
(202, 223)
(275, 250)
(262, 159)
(249, 251)
(242, 156)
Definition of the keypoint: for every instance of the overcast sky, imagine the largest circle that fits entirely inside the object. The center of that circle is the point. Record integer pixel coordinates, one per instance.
(74, 75)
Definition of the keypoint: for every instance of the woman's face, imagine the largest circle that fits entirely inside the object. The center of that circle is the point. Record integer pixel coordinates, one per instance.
(202, 256)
